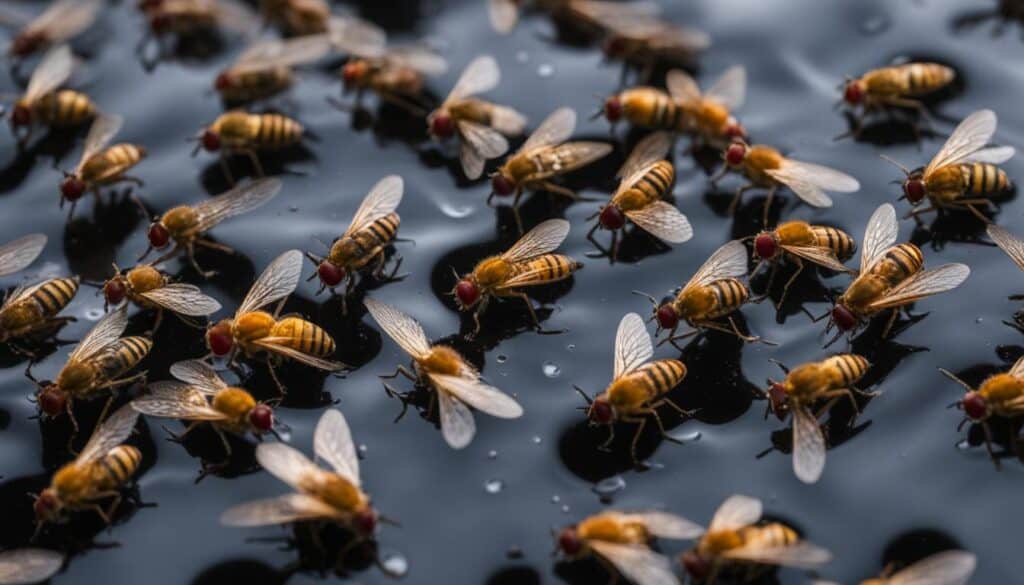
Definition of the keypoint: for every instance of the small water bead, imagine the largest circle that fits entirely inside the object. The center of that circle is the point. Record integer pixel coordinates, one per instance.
(456, 211)
(293, 208)
(565, 508)
(571, 347)
(875, 25)
(394, 564)
(362, 450)
(545, 70)
(94, 313)
(551, 369)
(501, 358)
(608, 487)
(493, 486)
(492, 454)
(537, 440)
(514, 553)
(555, 499)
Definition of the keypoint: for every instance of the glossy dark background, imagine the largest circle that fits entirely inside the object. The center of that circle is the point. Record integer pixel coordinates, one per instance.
(898, 473)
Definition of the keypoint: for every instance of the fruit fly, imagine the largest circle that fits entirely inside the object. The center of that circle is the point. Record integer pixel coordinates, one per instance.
(480, 125)
(100, 165)
(297, 17)
(620, 541)
(186, 17)
(798, 241)
(265, 68)
(899, 86)
(43, 104)
(951, 567)
(710, 117)
(737, 537)
(712, 293)
(16, 255)
(645, 107)
(239, 132)
(645, 41)
(253, 331)
(645, 179)
(334, 494)
(587, 14)
(806, 386)
(529, 262)
(186, 225)
(371, 231)
(201, 396)
(99, 362)
(999, 395)
(396, 75)
(148, 288)
(29, 565)
(544, 156)
(891, 276)
(766, 167)
(101, 470)
(456, 383)
(963, 173)
(60, 22)
(30, 310)
(638, 387)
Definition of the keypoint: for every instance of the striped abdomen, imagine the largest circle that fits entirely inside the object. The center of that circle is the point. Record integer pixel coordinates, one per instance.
(301, 335)
(730, 294)
(255, 84)
(372, 239)
(923, 78)
(114, 469)
(652, 108)
(845, 369)
(54, 295)
(111, 163)
(898, 263)
(121, 356)
(983, 179)
(771, 535)
(660, 376)
(64, 108)
(836, 240)
(542, 270)
(650, 187)
(274, 131)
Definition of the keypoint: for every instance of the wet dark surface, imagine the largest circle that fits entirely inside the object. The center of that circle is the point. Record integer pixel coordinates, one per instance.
(896, 486)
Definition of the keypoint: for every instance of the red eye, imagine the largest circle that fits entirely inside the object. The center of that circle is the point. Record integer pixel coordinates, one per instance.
(72, 188)
(914, 190)
(158, 235)
(330, 274)
(21, 116)
(365, 521)
(613, 109)
(441, 125)
(501, 185)
(219, 339)
(222, 82)
(854, 92)
(697, 566)
(52, 401)
(734, 130)
(351, 73)
(735, 154)
(160, 23)
(46, 504)
(261, 417)
(779, 399)
(569, 542)
(211, 141)
(765, 246)
(601, 411)
(843, 318)
(974, 406)
(612, 218)
(114, 291)
(467, 293)
(668, 318)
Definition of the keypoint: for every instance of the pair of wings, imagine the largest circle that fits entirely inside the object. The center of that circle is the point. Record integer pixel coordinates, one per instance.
(62, 20)
(545, 237)
(659, 218)
(504, 14)
(109, 434)
(810, 181)
(29, 565)
(880, 235)
(967, 144)
(53, 70)
(185, 399)
(273, 53)
(382, 200)
(729, 261)
(357, 36)
(106, 332)
(18, 254)
(952, 567)
(182, 298)
(455, 392)
(739, 511)
(553, 132)
(332, 443)
(730, 90)
(242, 198)
(277, 281)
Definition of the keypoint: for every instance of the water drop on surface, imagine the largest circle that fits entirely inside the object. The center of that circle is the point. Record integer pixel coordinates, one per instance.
(608, 487)
(493, 486)
(94, 313)
(394, 563)
(362, 450)
(571, 347)
(492, 454)
(546, 70)
(537, 440)
(514, 553)
(686, 437)
(551, 369)
(565, 509)
(502, 358)
(963, 445)
(293, 208)
(875, 25)
(456, 211)
(555, 499)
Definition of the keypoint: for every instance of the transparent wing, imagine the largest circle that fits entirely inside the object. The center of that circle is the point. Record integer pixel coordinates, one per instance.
(993, 154)
(237, 16)
(632, 345)
(198, 374)
(418, 58)
(471, 160)
(953, 567)
(736, 512)
(479, 144)
(923, 284)
(402, 328)
(332, 442)
(571, 156)
(544, 238)
(480, 76)
(457, 424)
(663, 221)
(820, 256)
(286, 463)
(183, 298)
(476, 393)
(357, 36)
(507, 120)
(555, 129)
(539, 275)
(29, 565)
(879, 236)
(65, 19)
(111, 433)
(729, 261)
(105, 332)
(102, 131)
(279, 510)
(798, 181)
(1017, 370)
(239, 200)
(665, 525)
(731, 88)
(1007, 242)
(53, 70)
(648, 151)
(382, 199)
(970, 136)
(818, 175)
(17, 255)
(504, 15)
(808, 446)
(282, 347)
(170, 399)
(277, 282)
(268, 54)
(636, 562)
(681, 86)
(21, 292)
(803, 555)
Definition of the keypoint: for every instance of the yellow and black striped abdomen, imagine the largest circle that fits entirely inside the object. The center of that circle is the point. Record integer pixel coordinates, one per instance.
(301, 335)
(660, 376)
(730, 295)
(114, 469)
(898, 263)
(924, 78)
(542, 270)
(64, 108)
(109, 164)
(256, 83)
(836, 240)
(845, 369)
(650, 187)
(771, 535)
(652, 108)
(378, 233)
(55, 294)
(121, 356)
(276, 131)
(984, 179)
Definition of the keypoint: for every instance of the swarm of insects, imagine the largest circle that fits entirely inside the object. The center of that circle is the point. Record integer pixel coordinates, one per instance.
(457, 384)
(710, 117)
(148, 288)
(59, 23)
(798, 241)
(16, 255)
(101, 165)
(43, 104)
(29, 565)
(951, 567)
(898, 86)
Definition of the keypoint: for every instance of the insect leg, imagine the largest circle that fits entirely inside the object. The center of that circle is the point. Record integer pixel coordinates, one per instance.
(191, 253)
(400, 370)
(988, 446)
(227, 170)
(736, 198)
(402, 396)
(273, 374)
(557, 189)
(892, 321)
(255, 161)
(792, 279)
(636, 439)
(156, 323)
(206, 243)
(768, 204)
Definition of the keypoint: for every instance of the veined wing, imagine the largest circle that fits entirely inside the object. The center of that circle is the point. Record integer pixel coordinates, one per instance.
(993, 155)
(555, 129)
(268, 54)
(1009, 243)
(21, 292)
(106, 331)
(474, 392)
(638, 563)
(65, 19)
(418, 58)
(239, 200)
(29, 565)
(403, 329)
(681, 86)
(633, 345)
(182, 298)
(111, 433)
(538, 274)
(357, 36)
(648, 151)
(170, 399)
(277, 282)
(736, 512)
(287, 463)
(457, 424)
(279, 510)
(970, 136)
(17, 255)
(504, 15)
(663, 221)
(666, 525)
(199, 375)
(543, 238)
(879, 236)
(808, 446)
(237, 16)
(731, 88)
(565, 158)
(809, 181)
(481, 75)
(53, 70)
(332, 442)
(282, 347)
(382, 199)
(479, 143)
(803, 555)
(102, 131)
(1017, 370)
(820, 256)
(507, 120)
(952, 567)
(923, 284)
(729, 261)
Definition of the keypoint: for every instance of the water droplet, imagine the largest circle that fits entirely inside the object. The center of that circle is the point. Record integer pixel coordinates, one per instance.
(394, 564)
(686, 437)
(963, 445)
(493, 486)
(565, 508)
(293, 208)
(608, 487)
(551, 369)
(978, 320)
(546, 70)
(94, 313)
(522, 56)
(875, 25)
(571, 347)
(492, 454)
(284, 433)
(555, 499)
(456, 211)
(362, 451)
(514, 553)
(502, 358)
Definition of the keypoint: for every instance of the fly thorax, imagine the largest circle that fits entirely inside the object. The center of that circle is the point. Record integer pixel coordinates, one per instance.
(796, 233)
(758, 161)
(631, 199)
(696, 303)
(76, 377)
(945, 182)
(605, 527)
(345, 251)
(715, 543)
(338, 492)
(236, 127)
(234, 403)
(20, 314)
(443, 360)
(471, 109)
(713, 117)
(179, 220)
(864, 290)
(95, 167)
(519, 167)
(1001, 388)
(492, 272)
(143, 279)
(628, 393)
(72, 480)
(805, 381)
(252, 326)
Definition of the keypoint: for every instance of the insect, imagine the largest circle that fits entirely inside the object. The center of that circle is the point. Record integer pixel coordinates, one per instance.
(765, 167)
(710, 117)
(297, 17)
(396, 75)
(185, 17)
(891, 276)
(29, 565)
(645, 107)
(29, 310)
(253, 331)
(480, 125)
(239, 132)
(529, 262)
(43, 104)
(320, 494)
(543, 156)
(620, 541)
(456, 383)
(638, 387)
(99, 362)
(804, 387)
(963, 173)
(102, 468)
(735, 537)
(371, 231)
(265, 68)
(200, 396)
(798, 241)
(586, 14)
(60, 22)
(899, 86)
(645, 179)
(644, 41)
(16, 255)
(951, 567)
(186, 225)
(148, 288)
(712, 293)
(101, 165)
